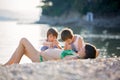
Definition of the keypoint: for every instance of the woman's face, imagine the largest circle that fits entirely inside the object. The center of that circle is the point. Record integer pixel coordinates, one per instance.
(51, 38)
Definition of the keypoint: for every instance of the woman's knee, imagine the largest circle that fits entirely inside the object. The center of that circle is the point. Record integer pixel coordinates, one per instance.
(23, 40)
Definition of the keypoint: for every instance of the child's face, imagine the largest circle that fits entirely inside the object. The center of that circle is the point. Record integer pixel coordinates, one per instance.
(69, 41)
(51, 38)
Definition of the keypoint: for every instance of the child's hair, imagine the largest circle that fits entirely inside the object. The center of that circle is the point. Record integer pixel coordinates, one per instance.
(66, 34)
(52, 31)
(90, 51)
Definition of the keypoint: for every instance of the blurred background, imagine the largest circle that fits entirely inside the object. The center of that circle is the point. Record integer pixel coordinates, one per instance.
(98, 21)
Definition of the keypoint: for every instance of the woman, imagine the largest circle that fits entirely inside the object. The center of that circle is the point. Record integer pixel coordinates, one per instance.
(26, 48)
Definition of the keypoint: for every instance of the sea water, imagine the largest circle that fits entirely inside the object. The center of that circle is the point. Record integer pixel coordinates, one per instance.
(11, 32)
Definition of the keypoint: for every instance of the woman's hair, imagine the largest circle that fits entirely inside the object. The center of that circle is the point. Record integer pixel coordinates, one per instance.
(52, 31)
(66, 34)
(90, 51)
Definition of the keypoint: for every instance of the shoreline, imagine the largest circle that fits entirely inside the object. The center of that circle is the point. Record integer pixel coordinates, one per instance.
(83, 69)
(76, 20)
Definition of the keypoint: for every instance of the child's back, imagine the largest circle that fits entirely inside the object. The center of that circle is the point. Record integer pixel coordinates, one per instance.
(75, 43)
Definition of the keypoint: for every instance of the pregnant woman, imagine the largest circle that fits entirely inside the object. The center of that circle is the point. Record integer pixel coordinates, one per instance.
(26, 48)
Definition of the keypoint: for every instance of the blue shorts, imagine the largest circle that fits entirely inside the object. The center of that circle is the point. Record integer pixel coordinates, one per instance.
(43, 48)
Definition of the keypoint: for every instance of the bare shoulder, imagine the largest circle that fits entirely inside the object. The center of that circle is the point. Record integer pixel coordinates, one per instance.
(80, 38)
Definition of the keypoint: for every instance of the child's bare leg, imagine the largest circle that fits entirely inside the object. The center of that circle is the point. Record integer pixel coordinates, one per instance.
(24, 47)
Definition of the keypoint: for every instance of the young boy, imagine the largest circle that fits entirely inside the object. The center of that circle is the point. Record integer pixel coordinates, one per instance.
(77, 44)
(51, 41)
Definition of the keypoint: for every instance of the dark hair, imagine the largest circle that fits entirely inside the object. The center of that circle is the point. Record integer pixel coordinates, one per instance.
(52, 31)
(66, 34)
(90, 51)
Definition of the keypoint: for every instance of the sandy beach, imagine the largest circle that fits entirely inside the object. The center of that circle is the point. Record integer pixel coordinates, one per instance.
(83, 69)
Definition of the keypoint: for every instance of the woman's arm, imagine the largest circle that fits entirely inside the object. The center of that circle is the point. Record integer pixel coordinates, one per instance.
(71, 57)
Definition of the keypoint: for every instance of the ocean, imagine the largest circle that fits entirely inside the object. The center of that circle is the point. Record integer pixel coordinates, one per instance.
(10, 34)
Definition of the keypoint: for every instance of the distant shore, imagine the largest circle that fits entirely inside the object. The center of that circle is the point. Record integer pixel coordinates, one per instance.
(76, 20)
(90, 69)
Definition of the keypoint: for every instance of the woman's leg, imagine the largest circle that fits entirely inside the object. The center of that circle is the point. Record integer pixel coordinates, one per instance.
(24, 48)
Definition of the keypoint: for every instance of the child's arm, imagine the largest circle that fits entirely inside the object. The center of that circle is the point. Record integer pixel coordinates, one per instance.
(67, 46)
(46, 43)
(56, 43)
(81, 44)
(81, 50)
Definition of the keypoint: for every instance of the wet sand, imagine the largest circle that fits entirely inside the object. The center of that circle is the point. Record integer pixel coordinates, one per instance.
(95, 69)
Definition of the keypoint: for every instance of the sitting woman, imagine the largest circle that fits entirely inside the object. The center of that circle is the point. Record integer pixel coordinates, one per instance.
(26, 48)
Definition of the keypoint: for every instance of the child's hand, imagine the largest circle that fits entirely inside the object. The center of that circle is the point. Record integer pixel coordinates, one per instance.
(68, 46)
(55, 43)
(51, 45)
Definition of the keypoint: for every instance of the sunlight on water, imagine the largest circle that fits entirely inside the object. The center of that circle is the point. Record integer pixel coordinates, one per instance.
(104, 36)
(11, 33)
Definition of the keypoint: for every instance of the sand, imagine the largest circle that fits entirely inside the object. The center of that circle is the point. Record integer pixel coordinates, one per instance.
(83, 69)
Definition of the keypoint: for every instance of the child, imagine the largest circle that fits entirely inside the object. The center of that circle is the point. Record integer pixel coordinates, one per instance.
(75, 43)
(51, 41)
